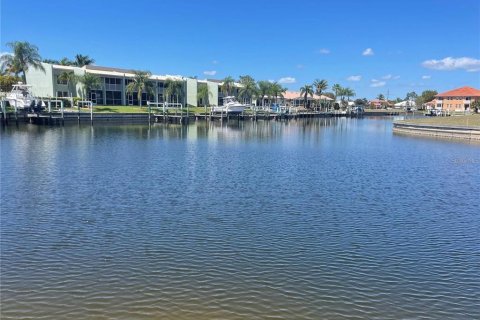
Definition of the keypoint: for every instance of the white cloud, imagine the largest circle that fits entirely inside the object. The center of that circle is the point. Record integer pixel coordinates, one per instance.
(390, 77)
(271, 81)
(426, 77)
(449, 63)
(377, 83)
(210, 73)
(368, 52)
(287, 80)
(323, 51)
(354, 78)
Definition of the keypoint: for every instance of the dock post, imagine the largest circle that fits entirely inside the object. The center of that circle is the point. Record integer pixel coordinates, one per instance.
(91, 113)
(149, 113)
(4, 112)
(63, 119)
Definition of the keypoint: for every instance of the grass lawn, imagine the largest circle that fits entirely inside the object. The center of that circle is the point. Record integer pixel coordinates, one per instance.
(386, 110)
(468, 121)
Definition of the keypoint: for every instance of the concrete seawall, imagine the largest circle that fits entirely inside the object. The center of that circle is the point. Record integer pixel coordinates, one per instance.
(447, 132)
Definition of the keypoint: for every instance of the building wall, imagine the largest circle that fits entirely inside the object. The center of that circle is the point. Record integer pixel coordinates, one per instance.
(191, 92)
(456, 103)
(212, 92)
(42, 82)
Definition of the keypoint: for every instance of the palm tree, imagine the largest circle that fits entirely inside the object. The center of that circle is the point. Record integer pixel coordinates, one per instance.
(305, 91)
(348, 92)
(381, 97)
(264, 88)
(248, 88)
(277, 90)
(81, 60)
(25, 55)
(227, 85)
(66, 62)
(173, 88)
(141, 82)
(51, 61)
(68, 77)
(320, 86)
(89, 82)
(337, 89)
(204, 95)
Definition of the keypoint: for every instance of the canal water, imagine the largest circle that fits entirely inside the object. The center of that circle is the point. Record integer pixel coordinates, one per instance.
(307, 219)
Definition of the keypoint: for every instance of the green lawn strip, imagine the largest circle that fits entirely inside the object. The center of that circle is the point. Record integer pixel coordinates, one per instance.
(463, 121)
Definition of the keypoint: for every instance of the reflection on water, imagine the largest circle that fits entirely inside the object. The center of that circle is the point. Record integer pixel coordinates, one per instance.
(311, 219)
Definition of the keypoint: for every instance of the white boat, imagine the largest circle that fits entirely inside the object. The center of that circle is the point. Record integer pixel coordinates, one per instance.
(21, 97)
(230, 105)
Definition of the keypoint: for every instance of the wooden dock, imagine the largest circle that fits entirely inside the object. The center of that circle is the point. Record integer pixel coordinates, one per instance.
(58, 118)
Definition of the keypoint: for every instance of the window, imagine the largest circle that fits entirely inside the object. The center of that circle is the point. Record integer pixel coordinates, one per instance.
(62, 94)
(96, 96)
(113, 98)
(61, 81)
(113, 81)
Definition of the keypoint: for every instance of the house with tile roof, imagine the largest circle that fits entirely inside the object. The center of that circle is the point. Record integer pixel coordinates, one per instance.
(460, 99)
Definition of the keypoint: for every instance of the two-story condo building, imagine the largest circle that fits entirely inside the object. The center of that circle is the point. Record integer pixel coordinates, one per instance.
(460, 99)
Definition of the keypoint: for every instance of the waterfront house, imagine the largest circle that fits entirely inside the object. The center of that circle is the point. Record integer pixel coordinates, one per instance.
(378, 104)
(114, 81)
(460, 99)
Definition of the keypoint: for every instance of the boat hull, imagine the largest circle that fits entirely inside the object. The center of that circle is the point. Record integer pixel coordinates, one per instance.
(19, 104)
(229, 109)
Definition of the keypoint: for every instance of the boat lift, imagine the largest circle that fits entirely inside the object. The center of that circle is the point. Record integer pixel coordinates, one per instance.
(89, 104)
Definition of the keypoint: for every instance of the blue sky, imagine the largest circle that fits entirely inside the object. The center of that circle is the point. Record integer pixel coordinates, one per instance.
(371, 46)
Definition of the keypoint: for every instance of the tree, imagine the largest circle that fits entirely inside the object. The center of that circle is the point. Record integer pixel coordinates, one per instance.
(337, 89)
(66, 62)
(141, 82)
(426, 96)
(7, 81)
(348, 92)
(173, 88)
(204, 95)
(227, 85)
(248, 88)
(330, 95)
(263, 90)
(381, 97)
(320, 86)
(67, 76)
(51, 61)
(361, 102)
(89, 82)
(305, 91)
(25, 55)
(81, 60)
(277, 90)
(411, 96)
